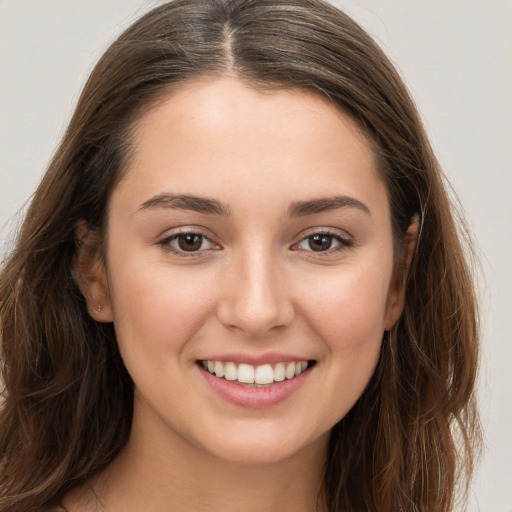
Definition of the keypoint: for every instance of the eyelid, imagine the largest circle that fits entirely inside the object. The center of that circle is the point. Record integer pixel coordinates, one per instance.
(165, 241)
(345, 241)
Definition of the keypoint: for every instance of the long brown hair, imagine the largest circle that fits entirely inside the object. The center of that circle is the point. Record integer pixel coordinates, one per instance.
(67, 404)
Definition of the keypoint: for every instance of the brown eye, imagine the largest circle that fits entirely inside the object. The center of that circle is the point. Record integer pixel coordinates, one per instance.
(320, 242)
(324, 242)
(190, 242)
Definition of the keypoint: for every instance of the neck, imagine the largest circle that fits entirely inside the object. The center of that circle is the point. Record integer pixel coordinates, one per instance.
(159, 470)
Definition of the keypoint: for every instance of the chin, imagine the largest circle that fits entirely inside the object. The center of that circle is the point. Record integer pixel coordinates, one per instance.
(262, 445)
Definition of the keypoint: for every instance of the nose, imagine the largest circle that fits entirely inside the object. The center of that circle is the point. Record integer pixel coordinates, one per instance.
(255, 299)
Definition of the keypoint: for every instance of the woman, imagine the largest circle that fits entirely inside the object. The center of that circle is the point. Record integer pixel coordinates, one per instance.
(240, 283)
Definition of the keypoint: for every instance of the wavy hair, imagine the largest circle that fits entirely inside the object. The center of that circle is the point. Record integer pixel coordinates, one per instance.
(67, 399)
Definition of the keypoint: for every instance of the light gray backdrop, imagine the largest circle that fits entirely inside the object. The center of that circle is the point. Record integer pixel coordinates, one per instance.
(456, 57)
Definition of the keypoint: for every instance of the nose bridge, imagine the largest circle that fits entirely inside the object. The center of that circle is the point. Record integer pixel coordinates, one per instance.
(256, 300)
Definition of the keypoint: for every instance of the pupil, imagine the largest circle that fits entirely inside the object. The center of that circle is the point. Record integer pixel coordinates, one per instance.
(320, 242)
(190, 242)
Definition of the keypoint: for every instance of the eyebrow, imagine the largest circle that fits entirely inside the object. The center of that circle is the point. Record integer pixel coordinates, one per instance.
(325, 204)
(212, 206)
(187, 202)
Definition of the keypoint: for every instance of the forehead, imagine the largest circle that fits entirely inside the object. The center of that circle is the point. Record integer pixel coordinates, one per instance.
(225, 139)
(225, 106)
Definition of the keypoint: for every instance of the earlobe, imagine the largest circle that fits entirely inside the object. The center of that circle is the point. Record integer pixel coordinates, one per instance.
(90, 273)
(396, 297)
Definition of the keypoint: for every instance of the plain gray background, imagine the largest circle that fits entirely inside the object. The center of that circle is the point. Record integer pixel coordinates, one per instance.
(456, 57)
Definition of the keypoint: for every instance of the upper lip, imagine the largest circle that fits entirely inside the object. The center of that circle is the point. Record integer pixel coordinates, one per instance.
(256, 359)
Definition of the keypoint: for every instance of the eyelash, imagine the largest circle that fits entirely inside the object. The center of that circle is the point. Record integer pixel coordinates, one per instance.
(343, 243)
(166, 244)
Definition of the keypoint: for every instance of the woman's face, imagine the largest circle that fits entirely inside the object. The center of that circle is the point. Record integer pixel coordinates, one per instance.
(250, 234)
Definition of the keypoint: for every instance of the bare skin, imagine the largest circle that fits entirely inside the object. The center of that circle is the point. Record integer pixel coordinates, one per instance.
(294, 259)
(199, 482)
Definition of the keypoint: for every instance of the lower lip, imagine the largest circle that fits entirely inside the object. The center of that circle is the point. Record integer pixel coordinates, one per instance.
(254, 397)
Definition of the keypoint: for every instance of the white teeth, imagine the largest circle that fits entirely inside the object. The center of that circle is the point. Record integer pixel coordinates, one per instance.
(263, 374)
(279, 372)
(246, 373)
(259, 375)
(290, 371)
(219, 369)
(230, 371)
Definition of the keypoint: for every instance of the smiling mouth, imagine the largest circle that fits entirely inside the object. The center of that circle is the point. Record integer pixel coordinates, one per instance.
(257, 376)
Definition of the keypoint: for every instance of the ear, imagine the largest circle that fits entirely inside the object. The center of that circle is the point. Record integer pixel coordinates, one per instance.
(90, 273)
(396, 295)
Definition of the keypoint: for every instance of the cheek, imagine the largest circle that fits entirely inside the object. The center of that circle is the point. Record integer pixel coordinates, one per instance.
(347, 319)
(155, 310)
(348, 306)
(351, 325)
